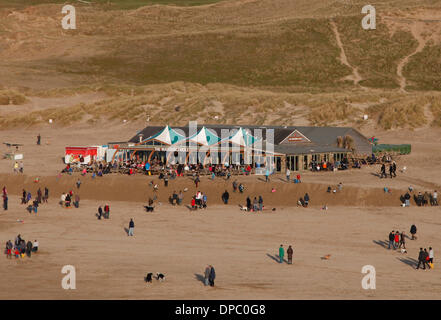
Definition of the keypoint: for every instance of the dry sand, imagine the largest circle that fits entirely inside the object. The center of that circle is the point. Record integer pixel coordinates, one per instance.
(241, 246)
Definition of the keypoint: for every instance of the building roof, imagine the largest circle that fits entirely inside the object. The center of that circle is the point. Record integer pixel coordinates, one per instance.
(311, 139)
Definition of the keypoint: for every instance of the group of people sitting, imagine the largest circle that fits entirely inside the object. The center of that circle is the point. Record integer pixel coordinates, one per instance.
(176, 198)
(334, 190)
(303, 201)
(331, 166)
(66, 199)
(20, 248)
(39, 199)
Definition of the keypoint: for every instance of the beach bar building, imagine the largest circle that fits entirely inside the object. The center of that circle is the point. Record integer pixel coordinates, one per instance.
(293, 147)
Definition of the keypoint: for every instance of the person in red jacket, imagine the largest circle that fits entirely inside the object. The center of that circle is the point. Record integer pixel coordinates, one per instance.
(193, 203)
(397, 240)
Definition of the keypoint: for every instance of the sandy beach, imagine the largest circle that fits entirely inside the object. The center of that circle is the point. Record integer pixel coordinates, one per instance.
(242, 246)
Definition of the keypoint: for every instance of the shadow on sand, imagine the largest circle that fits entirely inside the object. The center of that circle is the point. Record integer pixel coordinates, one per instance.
(409, 261)
(199, 277)
(382, 243)
(276, 258)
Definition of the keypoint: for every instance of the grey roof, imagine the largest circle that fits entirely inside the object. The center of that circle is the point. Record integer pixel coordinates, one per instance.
(323, 139)
(306, 149)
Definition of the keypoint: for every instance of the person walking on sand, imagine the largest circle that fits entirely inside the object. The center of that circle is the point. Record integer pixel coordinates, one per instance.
(196, 181)
(281, 253)
(225, 197)
(46, 194)
(5, 201)
(212, 276)
(131, 227)
(413, 231)
(383, 171)
(391, 239)
(431, 256)
(396, 240)
(402, 240)
(421, 259)
(78, 183)
(288, 174)
(248, 203)
(255, 204)
(290, 251)
(260, 203)
(207, 275)
(38, 140)
(9, 249)
(267, 173)
(426, 258)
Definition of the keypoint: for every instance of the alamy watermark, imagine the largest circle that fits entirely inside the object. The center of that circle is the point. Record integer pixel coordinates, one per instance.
(369, 280)
(69, 280)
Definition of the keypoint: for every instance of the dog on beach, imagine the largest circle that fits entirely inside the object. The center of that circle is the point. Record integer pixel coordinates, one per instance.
(403, 250)
(149, 277)
(160, 276)
(243, 208)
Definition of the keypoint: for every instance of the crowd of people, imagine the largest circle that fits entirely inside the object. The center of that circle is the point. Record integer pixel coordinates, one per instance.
(397, 240)
(20, 248)
(421, 199)
(39, 198)
(69, 198)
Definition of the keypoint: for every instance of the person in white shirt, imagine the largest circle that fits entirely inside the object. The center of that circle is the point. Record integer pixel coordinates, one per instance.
(288, 174)
(430, 255)
(435, 198)
(35, 246)
(199, 199)
(63, 199)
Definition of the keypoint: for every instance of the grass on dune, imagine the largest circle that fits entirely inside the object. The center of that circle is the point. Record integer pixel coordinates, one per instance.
(300, 52)
(376, 53)
(400, 113)
(180, 102)
(11, 97)
(332, 113)
(424, 69)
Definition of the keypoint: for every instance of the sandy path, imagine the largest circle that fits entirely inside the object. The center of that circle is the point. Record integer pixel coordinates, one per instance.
(355, 77)
(416, 30)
